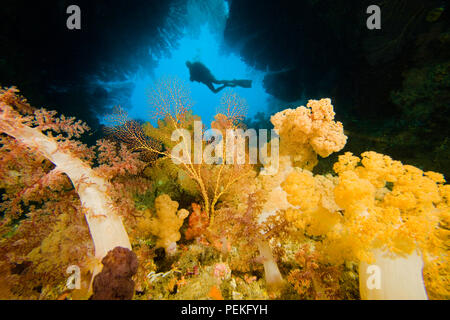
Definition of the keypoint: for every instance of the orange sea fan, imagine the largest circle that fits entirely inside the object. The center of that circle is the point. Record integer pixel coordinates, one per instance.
(123, 129)
(169, 96)
(233, 107)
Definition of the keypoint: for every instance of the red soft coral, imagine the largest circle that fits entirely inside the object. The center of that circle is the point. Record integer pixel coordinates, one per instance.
(198, 223)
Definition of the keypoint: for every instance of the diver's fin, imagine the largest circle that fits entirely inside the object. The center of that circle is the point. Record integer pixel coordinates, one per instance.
(242, 83)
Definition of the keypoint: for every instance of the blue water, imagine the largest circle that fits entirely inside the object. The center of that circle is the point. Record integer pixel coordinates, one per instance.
(207, 47)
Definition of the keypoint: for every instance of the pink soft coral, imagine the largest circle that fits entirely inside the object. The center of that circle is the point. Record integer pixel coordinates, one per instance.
(36, 130)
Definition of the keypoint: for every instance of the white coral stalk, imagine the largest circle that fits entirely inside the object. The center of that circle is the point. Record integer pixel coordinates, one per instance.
(272, 274)
(392, 278)
(106, 227)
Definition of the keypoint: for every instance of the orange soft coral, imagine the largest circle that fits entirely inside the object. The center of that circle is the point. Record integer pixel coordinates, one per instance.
(167, 223)
(314, 279)
(308, 131)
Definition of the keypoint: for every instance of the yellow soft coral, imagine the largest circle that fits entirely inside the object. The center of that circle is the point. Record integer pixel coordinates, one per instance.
(346, 162)
(300, 187)
(407, 214)
(354, 194)
(376, 204)
(275, 196)
(390, 204)
(308, 131)
(167, 223)
(315, 209)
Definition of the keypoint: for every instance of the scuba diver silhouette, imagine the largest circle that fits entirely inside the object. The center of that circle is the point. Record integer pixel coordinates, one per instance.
(200, 73)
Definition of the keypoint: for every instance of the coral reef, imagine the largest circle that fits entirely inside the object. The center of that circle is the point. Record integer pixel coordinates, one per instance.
(114, 281)
(50, 189)
(105, 225)
(195, 231)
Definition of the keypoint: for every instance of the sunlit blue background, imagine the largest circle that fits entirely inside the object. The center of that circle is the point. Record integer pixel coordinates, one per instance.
(203, 42)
